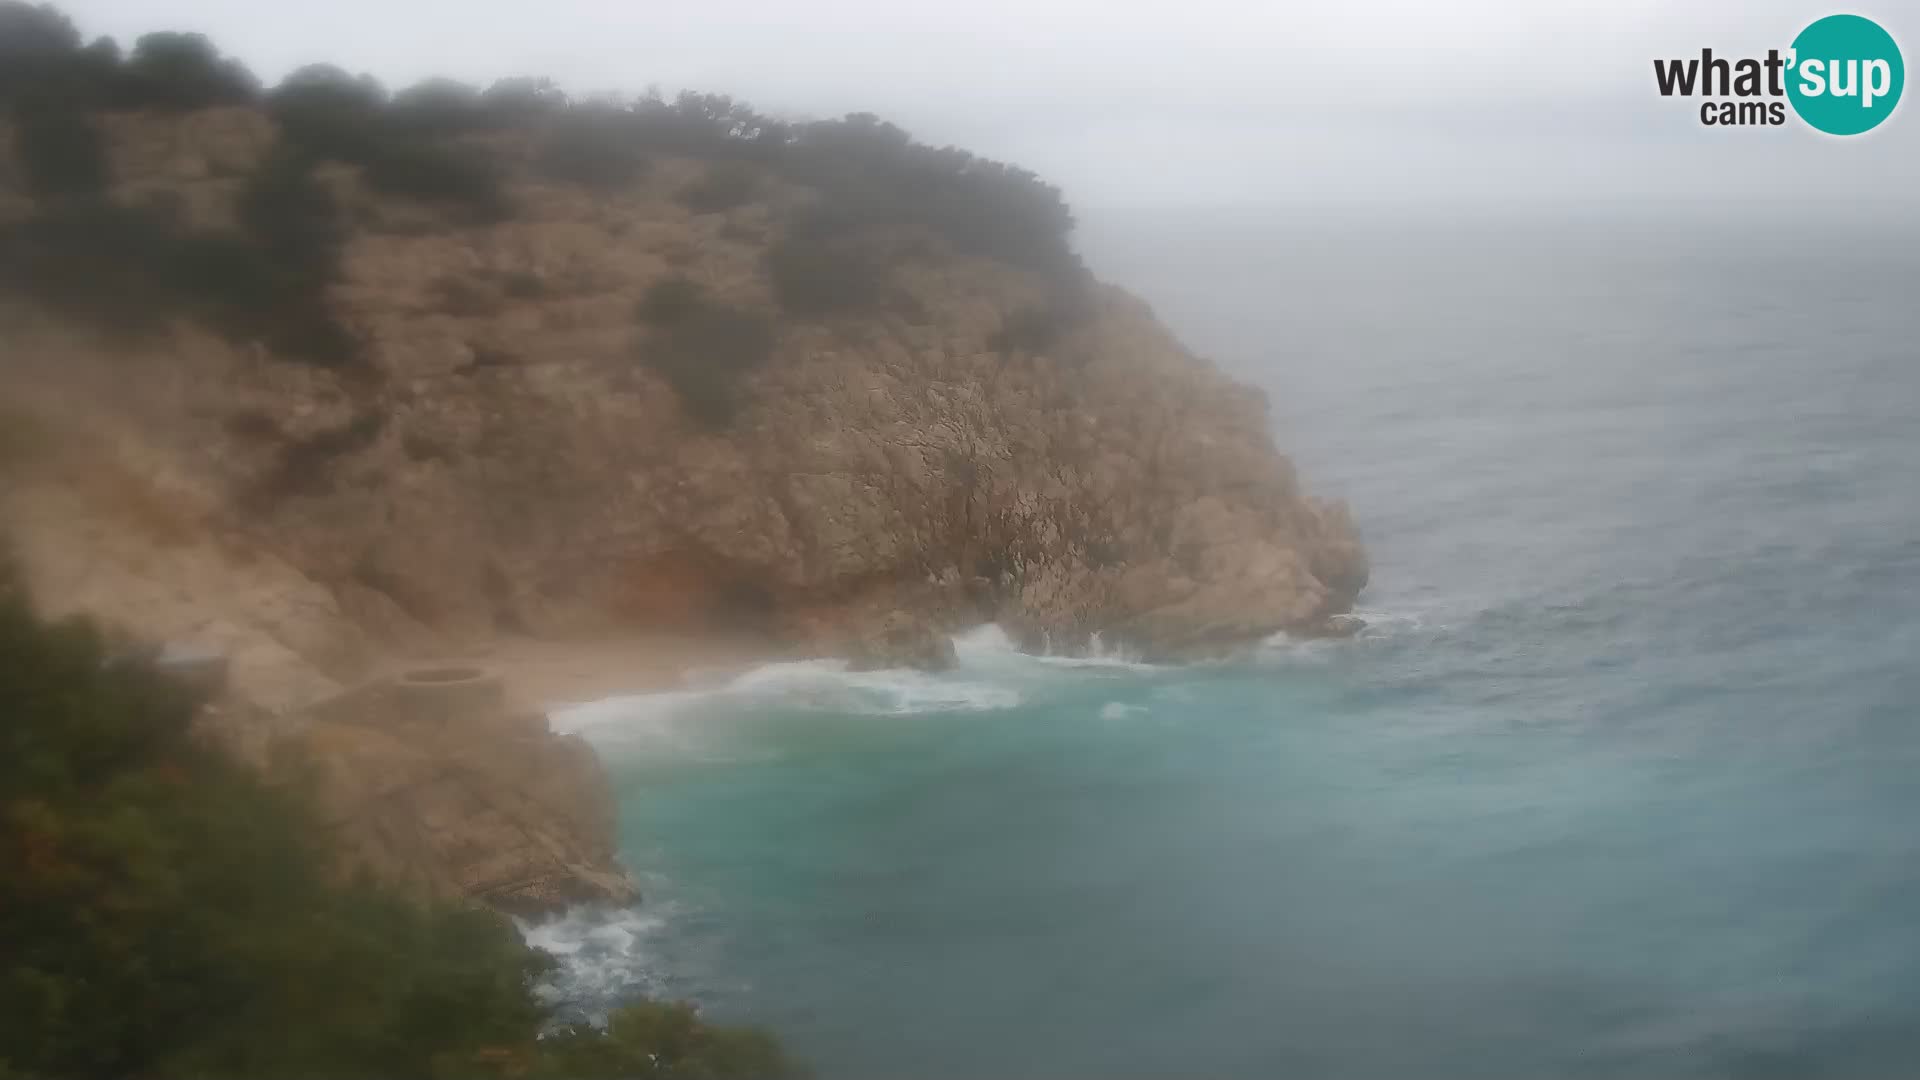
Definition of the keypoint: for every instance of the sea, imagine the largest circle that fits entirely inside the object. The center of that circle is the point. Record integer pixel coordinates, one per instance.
(1622, 779)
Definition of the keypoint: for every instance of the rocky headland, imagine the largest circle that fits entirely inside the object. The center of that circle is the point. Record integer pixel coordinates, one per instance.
(600, 397)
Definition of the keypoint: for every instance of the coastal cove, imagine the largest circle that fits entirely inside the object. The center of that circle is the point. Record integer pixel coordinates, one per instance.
(1614, 783)
(1274, 572)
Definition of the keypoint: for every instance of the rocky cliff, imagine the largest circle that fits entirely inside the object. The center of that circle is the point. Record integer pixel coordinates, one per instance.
(531, 443)
(517, 467)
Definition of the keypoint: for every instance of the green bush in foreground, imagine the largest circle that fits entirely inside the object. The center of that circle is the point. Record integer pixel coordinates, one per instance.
(163, 913)
(661, 1039)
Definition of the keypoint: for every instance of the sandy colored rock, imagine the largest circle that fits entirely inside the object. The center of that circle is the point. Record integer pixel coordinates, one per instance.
(447, 789)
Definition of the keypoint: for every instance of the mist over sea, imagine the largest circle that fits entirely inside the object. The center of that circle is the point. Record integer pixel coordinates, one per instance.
(1623, 780)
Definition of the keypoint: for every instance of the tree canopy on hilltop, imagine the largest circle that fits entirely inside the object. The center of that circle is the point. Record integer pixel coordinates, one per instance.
(864, 184)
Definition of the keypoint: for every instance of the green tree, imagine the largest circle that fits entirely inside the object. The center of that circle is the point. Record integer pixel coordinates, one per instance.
(185, 71)
(164, 913)
(59, 150)
(705, 353)
(523, 96)
(327, 111)
(437, 106)
(35, 39)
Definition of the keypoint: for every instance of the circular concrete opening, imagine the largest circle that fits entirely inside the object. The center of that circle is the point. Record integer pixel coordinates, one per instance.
(456, 695)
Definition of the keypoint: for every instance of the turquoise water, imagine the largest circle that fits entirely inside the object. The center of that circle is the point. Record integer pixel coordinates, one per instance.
(1622, 780)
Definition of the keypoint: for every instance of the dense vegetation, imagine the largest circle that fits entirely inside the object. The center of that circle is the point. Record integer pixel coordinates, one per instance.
(269, 280)
(163, 913)
(701, 348)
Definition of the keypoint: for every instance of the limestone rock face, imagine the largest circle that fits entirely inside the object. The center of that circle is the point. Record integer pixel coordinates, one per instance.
(436, 783)
(514, 464)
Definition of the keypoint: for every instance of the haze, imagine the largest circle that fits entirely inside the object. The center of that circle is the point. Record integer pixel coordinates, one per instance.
(1501, 103)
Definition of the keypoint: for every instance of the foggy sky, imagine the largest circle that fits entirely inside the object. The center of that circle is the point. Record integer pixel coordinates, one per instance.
(1472, 103)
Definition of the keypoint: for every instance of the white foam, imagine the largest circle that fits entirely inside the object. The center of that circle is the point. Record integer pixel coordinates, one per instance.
(649, 713)
(1120, 710)
(991, 674)
(604, 955)
(986, 643)
(988, 646)
(1383, 623)
(828, 686)
(1285, 648)
(978, 685)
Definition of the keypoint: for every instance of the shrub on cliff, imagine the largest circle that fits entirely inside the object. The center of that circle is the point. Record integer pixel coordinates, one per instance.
(184, 71)
(28, 30)
(823, 266)
(868, 178)
(113, 267)
(705, 353)
(165, 914)
(292, 216)
(670, 300)
(48, 83)
(37, 46)
(521, 97)
(592, 148)
(706, 126)
(436, 172)
(438, 107)
(721, 187)
(296, 230)
(875, 173)
(1038, 328)
(326, 111)
(132, 269)
(59, 150)
(329, 114)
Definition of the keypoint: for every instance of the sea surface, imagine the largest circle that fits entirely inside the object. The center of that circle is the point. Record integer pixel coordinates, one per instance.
(1622, 780)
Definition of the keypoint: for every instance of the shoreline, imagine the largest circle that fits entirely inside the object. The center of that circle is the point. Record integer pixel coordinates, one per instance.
(553, 674)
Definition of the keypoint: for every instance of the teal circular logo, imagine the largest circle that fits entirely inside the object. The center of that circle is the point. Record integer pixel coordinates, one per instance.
(1846, 75)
